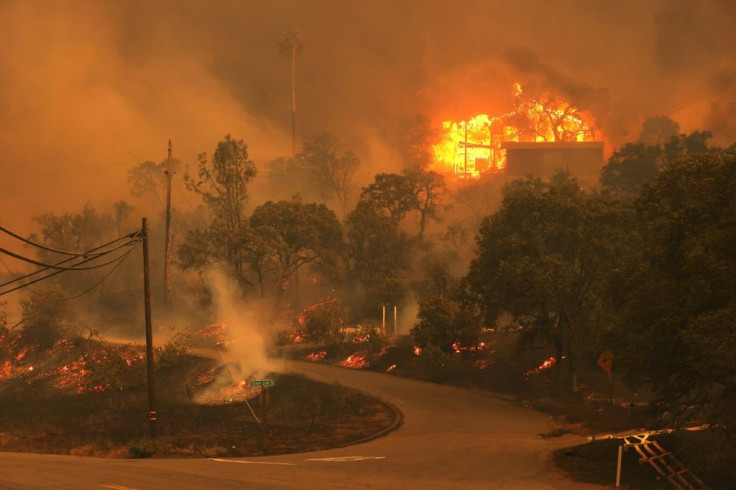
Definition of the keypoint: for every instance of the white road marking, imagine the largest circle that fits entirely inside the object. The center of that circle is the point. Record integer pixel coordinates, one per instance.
(250, 462)
(340, 459)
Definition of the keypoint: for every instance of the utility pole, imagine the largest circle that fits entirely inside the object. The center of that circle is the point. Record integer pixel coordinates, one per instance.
(149, 332)
(167, 239)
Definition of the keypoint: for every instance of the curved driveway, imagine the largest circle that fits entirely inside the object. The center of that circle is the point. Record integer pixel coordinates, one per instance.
(450, 438)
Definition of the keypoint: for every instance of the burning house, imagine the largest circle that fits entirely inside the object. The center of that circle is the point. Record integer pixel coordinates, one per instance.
(541, 135)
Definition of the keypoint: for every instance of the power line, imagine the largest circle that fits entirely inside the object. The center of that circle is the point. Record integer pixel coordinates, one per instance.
(55, 273)
(37, 245)
(90, 254)
(59, 267)
(109, 273)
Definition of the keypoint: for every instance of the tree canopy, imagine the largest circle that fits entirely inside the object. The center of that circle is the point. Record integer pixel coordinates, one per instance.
(677, 295)
(543, 258)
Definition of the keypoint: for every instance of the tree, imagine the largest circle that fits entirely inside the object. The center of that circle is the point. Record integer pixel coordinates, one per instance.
(676, 296)
(332, 173)
(148, 180)
(298, 234)
(442, 322)
(377, 249)
(325, 323)
(480, 197)
(390, 194)
(46, 317)
(428, 187)
(222, 184)
(74, 232)
(414, 141)
(547, 116)
(630, 167)
(544, 258)
(656, 130)
(291, 46)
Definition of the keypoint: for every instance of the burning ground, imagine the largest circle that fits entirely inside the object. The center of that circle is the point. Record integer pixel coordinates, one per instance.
(89, 398)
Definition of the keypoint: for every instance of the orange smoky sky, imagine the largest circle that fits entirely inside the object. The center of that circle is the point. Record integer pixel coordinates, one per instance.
(89, 89)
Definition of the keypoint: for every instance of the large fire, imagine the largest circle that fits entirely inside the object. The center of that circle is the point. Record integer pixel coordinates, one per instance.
(473, 147)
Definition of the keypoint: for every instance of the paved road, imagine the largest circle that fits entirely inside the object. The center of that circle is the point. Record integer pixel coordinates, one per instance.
(450, 438)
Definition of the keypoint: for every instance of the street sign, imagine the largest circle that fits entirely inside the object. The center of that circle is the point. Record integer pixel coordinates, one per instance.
(263, 382)
(605, 361)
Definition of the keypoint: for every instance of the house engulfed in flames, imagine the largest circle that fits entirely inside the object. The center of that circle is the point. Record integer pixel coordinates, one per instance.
(539, 137)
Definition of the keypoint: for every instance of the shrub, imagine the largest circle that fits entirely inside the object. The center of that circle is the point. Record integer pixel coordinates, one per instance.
(175, 349)
(143, 448)
(46, 317)
(325, 324)
(442, 322)
(433, 364)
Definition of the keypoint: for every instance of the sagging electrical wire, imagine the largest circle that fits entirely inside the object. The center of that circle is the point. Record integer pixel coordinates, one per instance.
(57, 267)
(24, 285)
(133, 239)
(89, 255)
(37, 245)
(104, 278)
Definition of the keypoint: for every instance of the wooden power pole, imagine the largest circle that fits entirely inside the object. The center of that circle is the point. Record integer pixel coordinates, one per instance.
(149, 332)
(167, 238)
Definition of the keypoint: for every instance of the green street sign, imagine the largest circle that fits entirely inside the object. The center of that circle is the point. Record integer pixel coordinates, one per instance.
(263, 382)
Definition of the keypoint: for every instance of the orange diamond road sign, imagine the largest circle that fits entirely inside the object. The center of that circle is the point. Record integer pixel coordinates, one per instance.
(605, 361)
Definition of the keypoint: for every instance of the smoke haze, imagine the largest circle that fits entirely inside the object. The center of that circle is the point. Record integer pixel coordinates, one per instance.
(89, 89)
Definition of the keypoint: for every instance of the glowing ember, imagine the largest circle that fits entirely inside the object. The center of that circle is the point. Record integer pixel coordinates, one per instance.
(470, 148)
(22, 354)
(323, 302)
(215, 332)
(548, 363)
(391, 368)
(356, 361)
(417, 350)
(205, 379)
(473, 348)
(316, 356)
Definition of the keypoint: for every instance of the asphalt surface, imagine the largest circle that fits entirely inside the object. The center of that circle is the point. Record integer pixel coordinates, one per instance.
(450, 438)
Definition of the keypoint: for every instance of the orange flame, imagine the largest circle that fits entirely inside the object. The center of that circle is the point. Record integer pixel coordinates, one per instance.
(473, 147)
(355, 361)
(316, 356)
(546, 364)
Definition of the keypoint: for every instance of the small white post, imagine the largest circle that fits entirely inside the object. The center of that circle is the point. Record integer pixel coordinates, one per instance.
(618, 466)
(395, 322)
(383, 320)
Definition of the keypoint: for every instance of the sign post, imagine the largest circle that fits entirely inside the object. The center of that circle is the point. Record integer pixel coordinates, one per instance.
(264, 383)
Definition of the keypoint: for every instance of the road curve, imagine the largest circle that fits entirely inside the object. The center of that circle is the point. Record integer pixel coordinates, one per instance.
(450, 438)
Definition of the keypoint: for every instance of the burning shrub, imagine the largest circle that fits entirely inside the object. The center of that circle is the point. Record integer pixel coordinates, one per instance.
(442, 323)
(45, 317)
(116, 367)
(175, 349)
(325, 324)
(433, 364)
